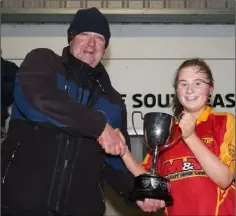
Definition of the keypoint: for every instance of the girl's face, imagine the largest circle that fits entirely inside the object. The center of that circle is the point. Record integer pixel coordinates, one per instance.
(193, 89)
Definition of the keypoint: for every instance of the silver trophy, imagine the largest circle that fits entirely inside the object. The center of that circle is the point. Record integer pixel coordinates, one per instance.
(157, 130)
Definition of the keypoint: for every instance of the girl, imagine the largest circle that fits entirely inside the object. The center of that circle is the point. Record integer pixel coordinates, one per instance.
(200, 165)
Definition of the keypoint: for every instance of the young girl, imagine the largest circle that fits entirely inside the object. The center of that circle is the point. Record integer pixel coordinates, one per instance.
(200, 165)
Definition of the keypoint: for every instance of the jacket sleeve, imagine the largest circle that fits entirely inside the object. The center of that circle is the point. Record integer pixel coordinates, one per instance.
(38, 82)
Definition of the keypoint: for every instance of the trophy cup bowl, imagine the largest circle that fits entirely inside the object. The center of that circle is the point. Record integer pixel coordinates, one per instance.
(157, 131)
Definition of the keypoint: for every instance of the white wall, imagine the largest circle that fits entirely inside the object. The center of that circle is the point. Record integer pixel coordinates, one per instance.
(142, 59)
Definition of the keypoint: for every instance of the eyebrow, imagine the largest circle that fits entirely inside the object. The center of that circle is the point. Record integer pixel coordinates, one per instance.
(182, 80)
(95, 35)
(100, 36)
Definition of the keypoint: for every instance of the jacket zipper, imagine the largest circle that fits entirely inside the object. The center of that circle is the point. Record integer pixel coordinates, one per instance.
(101, 191)
(10, 162)
(65, 165)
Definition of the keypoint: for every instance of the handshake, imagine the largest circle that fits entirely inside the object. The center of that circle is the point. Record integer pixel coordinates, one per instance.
(112, 141)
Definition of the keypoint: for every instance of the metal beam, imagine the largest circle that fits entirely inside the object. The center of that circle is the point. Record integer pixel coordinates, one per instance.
(168, 16)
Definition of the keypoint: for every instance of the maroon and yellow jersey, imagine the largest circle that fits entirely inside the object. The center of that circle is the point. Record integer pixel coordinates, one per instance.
(194, 193)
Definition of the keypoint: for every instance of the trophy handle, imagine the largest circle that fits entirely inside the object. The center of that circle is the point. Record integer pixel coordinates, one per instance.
(169, 145)
(141, 139)
(178, 137)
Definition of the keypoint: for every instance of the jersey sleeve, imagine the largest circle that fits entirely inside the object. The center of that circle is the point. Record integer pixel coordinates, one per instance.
(227, 149)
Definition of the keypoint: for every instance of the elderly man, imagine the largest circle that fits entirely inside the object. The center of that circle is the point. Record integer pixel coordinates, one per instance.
(61, 144)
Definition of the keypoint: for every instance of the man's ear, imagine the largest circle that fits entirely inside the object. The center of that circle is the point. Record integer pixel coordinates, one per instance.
(70, 42)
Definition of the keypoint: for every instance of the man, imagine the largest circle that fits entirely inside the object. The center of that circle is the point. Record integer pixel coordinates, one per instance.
(65, 109)
(8, 73)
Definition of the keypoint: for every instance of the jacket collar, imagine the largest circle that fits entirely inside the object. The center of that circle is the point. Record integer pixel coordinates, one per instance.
(77, 65)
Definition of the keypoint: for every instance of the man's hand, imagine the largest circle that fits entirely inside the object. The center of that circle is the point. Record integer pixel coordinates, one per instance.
(111, 141)
(151, 205)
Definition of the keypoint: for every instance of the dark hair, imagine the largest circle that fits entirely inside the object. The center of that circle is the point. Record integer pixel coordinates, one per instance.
(202, 68)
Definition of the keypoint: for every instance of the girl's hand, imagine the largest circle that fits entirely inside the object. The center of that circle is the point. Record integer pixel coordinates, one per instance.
(123, 139)
(187, 125)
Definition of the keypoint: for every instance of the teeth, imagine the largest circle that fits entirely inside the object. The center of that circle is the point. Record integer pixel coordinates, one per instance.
(191, 98)
(89, 52)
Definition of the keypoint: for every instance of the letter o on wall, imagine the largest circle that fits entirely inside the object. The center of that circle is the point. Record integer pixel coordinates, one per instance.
(150, 100)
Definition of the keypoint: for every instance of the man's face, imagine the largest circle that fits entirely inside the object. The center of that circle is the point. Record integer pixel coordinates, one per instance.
(88, 47)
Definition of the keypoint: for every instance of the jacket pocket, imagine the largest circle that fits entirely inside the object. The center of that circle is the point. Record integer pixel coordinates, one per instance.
(13, 156)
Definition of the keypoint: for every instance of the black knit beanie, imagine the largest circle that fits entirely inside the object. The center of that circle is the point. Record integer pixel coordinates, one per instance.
(89, 20)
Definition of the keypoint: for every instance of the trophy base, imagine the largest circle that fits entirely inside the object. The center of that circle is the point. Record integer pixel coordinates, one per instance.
(152, 186)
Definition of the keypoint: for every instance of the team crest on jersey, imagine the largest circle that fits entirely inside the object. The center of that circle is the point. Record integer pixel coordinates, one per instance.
(207, 139)
(182, 168)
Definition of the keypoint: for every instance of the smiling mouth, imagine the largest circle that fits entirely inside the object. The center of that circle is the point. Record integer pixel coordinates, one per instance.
(89, 52)
(190, 98)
